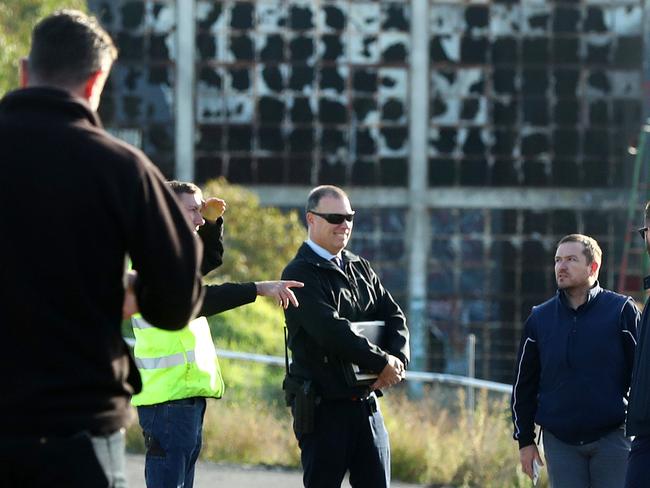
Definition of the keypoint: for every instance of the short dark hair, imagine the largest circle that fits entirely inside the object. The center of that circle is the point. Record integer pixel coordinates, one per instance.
(319, 192)
(591, 250)
(179, 187)
(68, 47)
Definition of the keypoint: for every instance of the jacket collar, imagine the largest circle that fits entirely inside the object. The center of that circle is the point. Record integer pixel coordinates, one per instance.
(41, 99)
(593, 293)
(321, 251)
(308, 254)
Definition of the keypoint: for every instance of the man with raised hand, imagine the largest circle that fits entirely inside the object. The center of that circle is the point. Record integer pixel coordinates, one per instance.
(180, 369)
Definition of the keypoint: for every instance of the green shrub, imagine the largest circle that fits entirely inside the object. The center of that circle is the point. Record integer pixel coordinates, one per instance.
(256, 328)
(17, 18)
(258, 241)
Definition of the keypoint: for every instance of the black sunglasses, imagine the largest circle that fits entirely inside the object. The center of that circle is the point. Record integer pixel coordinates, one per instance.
(334, 218)
(642, 231)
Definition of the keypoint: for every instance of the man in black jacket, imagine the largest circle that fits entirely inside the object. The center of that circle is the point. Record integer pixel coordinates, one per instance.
(638, 410)
(338, 424)
(573, 373)
(74, 202)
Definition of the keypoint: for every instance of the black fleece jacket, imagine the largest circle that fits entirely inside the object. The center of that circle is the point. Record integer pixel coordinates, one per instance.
(74, 202)
(638, 410)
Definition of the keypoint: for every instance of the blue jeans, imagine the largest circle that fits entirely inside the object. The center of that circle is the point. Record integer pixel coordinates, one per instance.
(598, 464)
(172, 437)
(77, 461)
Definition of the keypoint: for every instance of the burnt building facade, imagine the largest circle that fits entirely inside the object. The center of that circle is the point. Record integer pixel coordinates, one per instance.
(471, 135)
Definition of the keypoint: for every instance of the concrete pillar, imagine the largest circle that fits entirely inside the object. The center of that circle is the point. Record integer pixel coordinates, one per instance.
(418, 221)
(184, 90)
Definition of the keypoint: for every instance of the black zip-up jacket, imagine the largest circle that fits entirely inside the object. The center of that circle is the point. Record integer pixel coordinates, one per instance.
(638, 410)
(574, 368)
(319, 329)
(74, 202)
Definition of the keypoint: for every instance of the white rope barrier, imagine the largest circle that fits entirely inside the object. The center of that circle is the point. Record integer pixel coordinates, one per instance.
(424, 376)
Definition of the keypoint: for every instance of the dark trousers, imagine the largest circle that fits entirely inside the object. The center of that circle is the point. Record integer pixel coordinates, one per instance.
(597, 464)
(638, 464)
(173, 437)
(78, 461)
(348, 435)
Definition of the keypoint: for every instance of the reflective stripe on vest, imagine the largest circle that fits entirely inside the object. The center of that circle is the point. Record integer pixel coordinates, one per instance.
(139, 323)
(175, 364)
(166, 361)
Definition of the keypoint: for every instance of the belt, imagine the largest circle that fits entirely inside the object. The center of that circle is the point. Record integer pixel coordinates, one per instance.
(358, 398)
(351, 398)
(184, 401)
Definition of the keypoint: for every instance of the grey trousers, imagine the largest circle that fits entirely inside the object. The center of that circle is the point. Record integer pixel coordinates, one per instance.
(76, 461)
(109, 450)
(599, 464)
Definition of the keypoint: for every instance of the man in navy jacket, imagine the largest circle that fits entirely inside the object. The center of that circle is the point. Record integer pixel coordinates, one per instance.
(638, 412)
(573, 373)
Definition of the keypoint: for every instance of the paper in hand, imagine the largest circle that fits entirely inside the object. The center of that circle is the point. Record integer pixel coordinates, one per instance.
(536, 470)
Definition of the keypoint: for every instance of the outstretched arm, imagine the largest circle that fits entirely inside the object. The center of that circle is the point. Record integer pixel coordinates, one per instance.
(219, 298)
(280, 291)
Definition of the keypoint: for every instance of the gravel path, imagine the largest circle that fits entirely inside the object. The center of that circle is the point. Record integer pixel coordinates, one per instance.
(211, 475)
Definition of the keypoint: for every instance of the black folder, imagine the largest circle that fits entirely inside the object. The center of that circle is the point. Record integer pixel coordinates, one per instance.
(373, 330)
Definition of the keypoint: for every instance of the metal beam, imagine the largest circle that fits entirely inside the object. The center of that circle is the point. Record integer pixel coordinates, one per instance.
(459, 197)
(184, 90)
(418, 232)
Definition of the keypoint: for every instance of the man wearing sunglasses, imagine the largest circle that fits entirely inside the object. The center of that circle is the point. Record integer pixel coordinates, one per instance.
(638, 410)
(337, 422)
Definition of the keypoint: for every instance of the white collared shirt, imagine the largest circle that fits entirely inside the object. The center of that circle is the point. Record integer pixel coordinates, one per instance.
(322, 252)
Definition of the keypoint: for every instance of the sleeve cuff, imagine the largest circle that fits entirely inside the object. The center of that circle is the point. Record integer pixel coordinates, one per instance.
(526, 441)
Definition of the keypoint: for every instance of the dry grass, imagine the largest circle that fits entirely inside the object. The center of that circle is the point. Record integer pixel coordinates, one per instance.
(249, 433)
(446, 446)
(434, 441)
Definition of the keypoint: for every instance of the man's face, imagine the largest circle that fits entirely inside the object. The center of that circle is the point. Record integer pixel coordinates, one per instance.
(192, 204)
(333, 237)
(571, 267)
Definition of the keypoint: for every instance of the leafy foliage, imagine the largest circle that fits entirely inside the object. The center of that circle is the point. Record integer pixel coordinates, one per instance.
(258, 241)
(255, 328)
(17, 18)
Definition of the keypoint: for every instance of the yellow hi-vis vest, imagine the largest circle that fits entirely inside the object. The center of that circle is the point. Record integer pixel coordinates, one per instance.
(175, 364)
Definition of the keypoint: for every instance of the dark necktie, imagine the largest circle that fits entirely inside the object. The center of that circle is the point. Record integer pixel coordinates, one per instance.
(338, 261)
